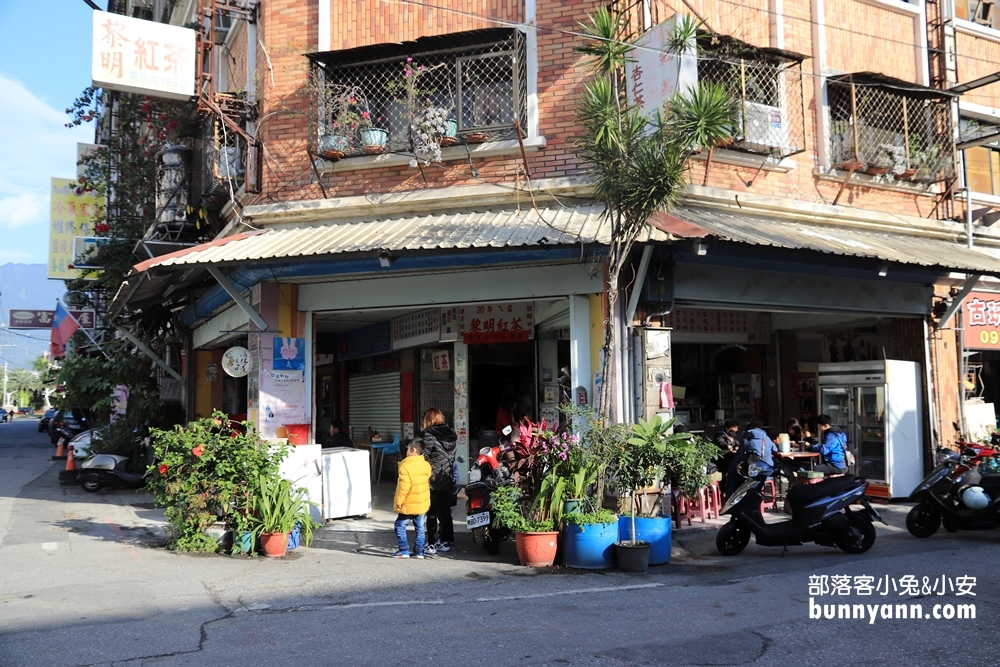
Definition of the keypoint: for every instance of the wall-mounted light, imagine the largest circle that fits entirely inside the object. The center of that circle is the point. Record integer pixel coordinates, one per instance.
(883, 269)
(385, 260)
(701, 248)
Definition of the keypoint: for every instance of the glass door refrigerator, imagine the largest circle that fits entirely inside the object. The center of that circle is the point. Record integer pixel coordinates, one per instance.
(879, 405)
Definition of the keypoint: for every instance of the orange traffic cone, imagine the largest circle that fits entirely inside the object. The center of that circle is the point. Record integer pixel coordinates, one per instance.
(70, 463)
(60, 449)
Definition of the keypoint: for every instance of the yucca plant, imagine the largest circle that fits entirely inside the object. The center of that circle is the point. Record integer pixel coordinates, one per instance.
(640, 163)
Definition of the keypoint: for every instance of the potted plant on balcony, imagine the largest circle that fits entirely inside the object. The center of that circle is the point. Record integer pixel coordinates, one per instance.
(344, 113)
(373, 139)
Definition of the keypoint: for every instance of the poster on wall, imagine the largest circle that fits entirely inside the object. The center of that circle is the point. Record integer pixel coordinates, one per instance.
(282, 400)
(289, 354)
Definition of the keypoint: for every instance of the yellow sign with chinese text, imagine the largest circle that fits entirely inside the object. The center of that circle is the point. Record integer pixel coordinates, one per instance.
(73, 213)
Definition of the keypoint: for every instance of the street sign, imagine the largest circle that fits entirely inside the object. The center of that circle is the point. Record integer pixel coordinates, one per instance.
(23, 318)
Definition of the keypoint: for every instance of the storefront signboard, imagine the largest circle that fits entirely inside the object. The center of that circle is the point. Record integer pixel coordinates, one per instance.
(748, 327)
(981, 321)
(282, 400)
(24, 318)
(423, 326)
(376, 339)
(449, 325)
(145, 57)
(498, 322)
(655, 73)
(73, 213)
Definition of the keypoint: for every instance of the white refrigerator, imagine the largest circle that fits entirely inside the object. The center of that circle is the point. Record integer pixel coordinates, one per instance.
(347, 486)
(879, 405)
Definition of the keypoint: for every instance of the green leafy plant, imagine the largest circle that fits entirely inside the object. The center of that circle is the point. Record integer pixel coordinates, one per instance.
(277, 508)
(207, 472)
(601, 516)
(509, 511)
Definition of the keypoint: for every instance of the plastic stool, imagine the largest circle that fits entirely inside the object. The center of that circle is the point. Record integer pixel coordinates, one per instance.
(772, 503)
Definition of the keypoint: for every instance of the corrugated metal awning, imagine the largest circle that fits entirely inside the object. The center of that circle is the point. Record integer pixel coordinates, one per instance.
(904, 247)
(505, 228)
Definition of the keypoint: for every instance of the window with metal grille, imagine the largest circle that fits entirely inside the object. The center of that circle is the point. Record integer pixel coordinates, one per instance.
(883, 126)
(767, 83)
(476, 80)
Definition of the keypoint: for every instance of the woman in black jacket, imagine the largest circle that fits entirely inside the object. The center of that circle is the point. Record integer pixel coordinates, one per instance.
(440, 442)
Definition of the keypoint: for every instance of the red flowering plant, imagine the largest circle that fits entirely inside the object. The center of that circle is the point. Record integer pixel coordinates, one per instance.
(540, 454)
(207, 472)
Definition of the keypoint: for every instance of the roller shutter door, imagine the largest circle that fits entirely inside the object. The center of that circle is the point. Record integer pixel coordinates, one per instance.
(373, 400)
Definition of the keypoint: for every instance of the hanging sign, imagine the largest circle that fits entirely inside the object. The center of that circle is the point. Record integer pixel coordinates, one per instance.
(236, 361)
(981, 321)
(23, 318)
(376, 339)
(498, 322)
(145, 57)
(73, 213)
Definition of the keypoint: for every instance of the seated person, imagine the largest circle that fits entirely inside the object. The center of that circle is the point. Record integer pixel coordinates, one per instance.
(833, 444)
(336, 437)
(725, 440)
(755, 442)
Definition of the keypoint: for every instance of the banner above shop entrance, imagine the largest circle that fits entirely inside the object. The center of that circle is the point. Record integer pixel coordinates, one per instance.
(498, 322)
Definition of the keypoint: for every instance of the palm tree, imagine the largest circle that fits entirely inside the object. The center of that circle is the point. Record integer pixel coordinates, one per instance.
(640, 163)
(24, 383)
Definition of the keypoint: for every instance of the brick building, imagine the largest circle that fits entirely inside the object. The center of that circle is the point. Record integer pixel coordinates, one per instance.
(832, 229)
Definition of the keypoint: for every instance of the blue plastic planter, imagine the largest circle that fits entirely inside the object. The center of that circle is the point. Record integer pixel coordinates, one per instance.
(295, 537)
(590, 547)
(655, 530)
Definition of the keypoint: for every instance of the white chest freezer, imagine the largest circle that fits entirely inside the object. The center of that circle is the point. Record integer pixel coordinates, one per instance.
(302, 469)
(347, 486)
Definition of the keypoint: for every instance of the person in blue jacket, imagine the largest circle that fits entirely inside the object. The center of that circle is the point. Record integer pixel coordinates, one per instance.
(832, 445)
(755, 442)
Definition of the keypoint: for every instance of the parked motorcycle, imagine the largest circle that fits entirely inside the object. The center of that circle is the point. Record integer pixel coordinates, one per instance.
(113, 470)
(821, 513)
(490, 471)
(961, 493)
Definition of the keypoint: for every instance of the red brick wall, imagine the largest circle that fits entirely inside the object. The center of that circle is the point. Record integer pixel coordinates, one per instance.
(944, 364)
(356, 23)
(289, 28)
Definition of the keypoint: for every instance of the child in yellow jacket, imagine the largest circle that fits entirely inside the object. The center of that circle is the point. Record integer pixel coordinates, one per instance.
(413, 499)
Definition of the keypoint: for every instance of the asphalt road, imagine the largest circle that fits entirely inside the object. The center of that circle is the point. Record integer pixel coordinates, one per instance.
(83, 581)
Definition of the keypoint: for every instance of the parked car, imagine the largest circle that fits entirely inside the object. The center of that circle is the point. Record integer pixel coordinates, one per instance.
(43, 423)
(68, 423)
(26, 410)
(3, 415)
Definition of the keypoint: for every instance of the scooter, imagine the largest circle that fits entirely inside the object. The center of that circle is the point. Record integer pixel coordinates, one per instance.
(490, 471)
(821, 513)
(961, 493)
(112, 470)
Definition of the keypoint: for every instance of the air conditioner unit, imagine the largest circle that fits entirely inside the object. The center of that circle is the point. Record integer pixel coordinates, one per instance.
(764, 127)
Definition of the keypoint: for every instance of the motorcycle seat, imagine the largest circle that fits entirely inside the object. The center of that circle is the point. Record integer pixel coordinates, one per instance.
(803, 494)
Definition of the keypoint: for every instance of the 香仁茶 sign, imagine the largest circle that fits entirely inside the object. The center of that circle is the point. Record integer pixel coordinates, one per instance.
(137, 56)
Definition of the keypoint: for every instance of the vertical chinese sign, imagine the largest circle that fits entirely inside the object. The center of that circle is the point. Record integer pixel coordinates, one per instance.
(72, 215)
(137, 56)
(654, 74)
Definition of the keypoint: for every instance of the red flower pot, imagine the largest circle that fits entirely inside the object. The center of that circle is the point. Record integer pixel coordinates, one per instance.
(537, 549)
(274, 544)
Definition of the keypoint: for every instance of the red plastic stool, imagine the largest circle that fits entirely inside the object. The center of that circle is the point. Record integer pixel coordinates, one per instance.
(772, 503)
(704, 504)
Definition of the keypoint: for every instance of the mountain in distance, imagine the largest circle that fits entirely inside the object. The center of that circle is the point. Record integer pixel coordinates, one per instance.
(25, 286)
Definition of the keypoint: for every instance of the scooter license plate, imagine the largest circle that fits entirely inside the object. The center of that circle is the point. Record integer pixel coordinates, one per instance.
(477, 520)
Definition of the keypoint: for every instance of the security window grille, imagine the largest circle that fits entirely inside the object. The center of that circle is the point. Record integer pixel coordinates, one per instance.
(768, 86)
(982, 162)
(476, 79)
(887, 127)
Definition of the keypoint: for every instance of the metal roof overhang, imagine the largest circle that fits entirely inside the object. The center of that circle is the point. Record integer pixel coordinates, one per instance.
(908, 246)
(306, 253)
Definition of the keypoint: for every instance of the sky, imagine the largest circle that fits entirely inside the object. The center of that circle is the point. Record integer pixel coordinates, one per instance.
(41, 72)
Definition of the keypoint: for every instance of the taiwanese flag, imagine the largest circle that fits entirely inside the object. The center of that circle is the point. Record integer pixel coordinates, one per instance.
(64, 326)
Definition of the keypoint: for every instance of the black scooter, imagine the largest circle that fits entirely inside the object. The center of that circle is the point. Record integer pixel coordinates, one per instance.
(113, 470)
(939, 496)
(821, 513)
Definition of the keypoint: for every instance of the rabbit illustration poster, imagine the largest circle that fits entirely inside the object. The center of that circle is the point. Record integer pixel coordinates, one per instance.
(289, 354)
